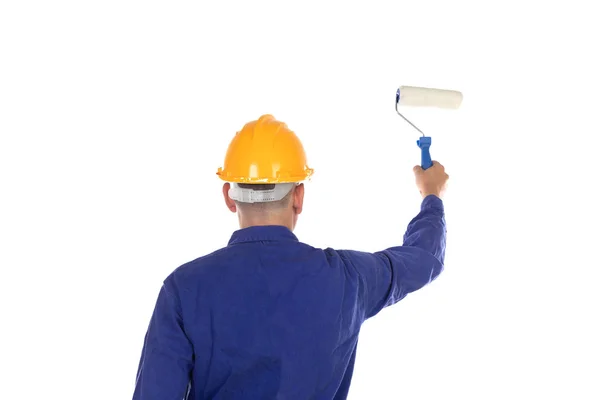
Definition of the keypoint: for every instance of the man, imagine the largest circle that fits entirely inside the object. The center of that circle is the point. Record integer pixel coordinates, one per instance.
(267, 316)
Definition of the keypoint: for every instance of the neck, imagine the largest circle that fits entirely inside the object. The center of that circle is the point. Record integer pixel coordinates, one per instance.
(247, 221)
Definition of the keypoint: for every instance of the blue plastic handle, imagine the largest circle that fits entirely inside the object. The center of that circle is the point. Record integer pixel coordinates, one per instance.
(424, 143)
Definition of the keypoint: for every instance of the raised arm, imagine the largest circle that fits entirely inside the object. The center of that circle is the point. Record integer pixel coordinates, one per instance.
(386, 277)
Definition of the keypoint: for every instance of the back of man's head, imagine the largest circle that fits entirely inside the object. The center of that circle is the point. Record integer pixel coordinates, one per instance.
(265, 204)
(264, 166)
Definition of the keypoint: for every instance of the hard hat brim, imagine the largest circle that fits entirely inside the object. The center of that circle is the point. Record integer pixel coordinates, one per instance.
(308, 172)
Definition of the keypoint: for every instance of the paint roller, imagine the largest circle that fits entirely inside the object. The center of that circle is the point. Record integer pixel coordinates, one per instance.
(414, 96)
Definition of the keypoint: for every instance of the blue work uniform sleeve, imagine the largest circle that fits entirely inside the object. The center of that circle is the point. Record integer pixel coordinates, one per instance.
(386, 277)
(166, 362)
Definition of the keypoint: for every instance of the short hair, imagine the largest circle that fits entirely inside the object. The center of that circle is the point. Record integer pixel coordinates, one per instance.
(265, 206)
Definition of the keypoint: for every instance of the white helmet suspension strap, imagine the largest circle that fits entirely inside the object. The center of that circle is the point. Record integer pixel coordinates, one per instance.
(249, 195)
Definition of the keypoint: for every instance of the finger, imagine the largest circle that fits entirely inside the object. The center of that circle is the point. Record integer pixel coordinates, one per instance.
(417, 169)
(438, 165)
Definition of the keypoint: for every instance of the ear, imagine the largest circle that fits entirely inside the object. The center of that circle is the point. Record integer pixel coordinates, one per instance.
(298, 198)
(230, 203)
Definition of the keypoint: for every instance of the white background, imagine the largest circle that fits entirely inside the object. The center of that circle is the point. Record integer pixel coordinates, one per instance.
(115, 115)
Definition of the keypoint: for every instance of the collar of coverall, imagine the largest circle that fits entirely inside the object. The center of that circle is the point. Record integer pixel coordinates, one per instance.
(263, 233)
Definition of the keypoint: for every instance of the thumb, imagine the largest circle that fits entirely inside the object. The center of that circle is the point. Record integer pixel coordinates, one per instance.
(417, 170)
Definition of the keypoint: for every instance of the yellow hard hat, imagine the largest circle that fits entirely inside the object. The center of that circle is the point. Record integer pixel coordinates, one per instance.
(265, 151)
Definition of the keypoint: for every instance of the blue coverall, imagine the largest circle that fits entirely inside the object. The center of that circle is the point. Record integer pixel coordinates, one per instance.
(269, 317)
